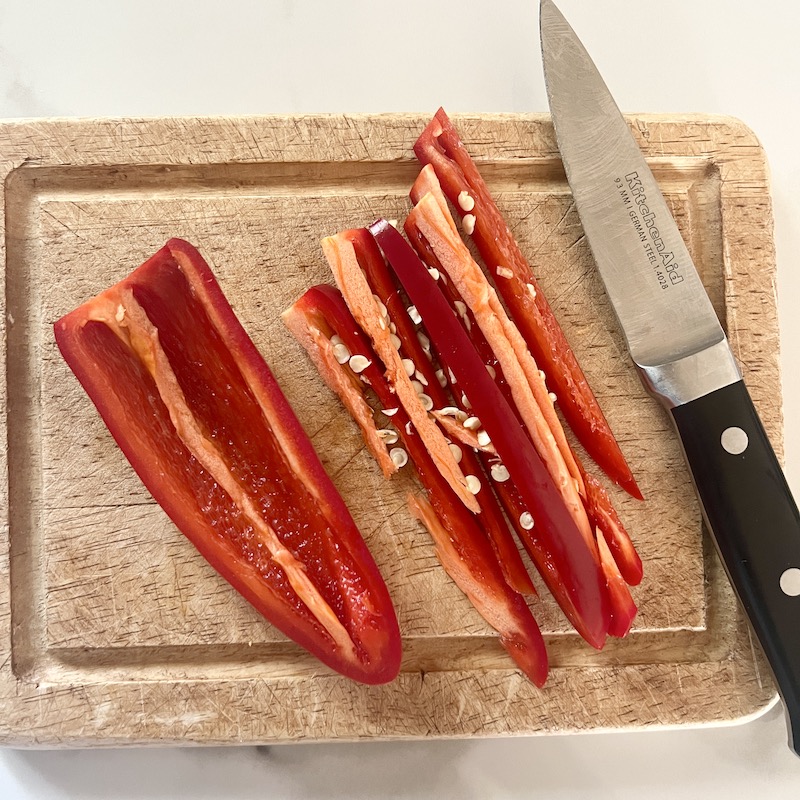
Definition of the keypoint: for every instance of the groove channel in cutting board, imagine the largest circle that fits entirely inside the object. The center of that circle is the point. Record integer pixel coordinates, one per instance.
(106, 595)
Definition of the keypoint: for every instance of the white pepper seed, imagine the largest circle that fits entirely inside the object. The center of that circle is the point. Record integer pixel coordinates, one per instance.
(399, 457)
(341, 353)
(466, 201)
(500, 473)
(389, 436)
(359, 363)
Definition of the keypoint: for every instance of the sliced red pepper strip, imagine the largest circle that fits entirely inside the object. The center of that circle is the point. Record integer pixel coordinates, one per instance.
(340, 252)
(598, 504)
(605, 517)
(460, 544)
(316, 339)
(623, 609)
(504, 489)
(435, 217)
(428, 257)
(202, 420)
(505, 612)
(384, 286)
(440, 146)
(576, 563)
(596, 500)
(521, 372)
(515, 509)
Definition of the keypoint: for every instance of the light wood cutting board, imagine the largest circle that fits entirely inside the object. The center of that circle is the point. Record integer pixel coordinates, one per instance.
(114, 631)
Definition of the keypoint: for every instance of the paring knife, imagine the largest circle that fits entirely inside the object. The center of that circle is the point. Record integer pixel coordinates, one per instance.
(680, 350)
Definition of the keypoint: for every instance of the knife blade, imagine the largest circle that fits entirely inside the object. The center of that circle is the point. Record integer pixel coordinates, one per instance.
(681, 352)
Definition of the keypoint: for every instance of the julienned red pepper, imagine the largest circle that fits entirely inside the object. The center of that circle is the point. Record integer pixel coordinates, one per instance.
(515, 507)
(604, 517)
(426, 254)
(202, 420)
(460, 543)
(384, 285)
(575, 563)
(509, 495)
(529, 390)
(440, 146)
(431, 206)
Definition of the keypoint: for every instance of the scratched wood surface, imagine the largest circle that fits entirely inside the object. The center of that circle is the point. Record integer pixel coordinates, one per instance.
(114, 631)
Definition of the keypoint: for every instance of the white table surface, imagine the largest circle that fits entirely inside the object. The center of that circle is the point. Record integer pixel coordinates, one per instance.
(156, 57)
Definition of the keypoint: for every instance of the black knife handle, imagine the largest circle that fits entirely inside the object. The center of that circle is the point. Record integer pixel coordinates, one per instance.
(755, 523)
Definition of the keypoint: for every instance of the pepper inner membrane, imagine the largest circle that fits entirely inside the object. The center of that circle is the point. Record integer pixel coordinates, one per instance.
(228, 413)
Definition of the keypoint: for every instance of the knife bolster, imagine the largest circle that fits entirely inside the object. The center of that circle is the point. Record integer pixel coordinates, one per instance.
(685, 379)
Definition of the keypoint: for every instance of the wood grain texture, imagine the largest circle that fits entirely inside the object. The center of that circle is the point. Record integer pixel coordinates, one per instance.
(114, 631)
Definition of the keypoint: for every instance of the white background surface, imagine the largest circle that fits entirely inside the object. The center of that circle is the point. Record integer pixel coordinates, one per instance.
(200, 58)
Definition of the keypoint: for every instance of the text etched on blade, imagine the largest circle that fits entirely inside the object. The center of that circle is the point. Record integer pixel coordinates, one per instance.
(666, 267)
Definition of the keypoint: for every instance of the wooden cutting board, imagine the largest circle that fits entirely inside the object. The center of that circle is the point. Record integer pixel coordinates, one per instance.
(114, 631)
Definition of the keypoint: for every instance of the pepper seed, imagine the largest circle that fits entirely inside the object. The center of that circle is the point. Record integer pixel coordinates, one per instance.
(359, 363)
(399, 457)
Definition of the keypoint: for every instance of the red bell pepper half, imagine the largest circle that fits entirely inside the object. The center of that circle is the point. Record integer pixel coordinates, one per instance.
(440, 145)
(202, 420)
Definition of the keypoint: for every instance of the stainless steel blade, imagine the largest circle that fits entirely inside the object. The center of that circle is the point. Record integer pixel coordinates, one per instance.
(648, 273)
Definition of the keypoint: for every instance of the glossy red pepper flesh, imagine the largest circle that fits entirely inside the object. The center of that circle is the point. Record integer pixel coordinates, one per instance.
(596, 501)
(202, 420)
(605, 518)
(428, 257)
